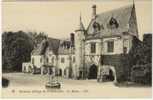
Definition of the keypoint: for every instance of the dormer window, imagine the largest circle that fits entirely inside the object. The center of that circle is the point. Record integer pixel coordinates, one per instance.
(96, 27)
(102, 27)
(113, 24)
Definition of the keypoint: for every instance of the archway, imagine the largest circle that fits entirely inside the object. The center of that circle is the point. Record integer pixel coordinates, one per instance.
(92, 72)
(110, 76)
(107, 73)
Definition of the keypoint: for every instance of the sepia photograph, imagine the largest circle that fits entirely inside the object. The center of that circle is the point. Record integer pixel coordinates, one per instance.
(77, 49)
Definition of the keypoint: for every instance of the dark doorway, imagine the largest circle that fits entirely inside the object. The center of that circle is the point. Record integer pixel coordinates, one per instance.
(110, 76)
(60, 72)
(80, 74)
(65, 72)
(92, 72)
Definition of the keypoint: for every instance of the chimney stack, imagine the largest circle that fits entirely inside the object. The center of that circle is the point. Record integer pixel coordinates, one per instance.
(72, 39)
(93, 11)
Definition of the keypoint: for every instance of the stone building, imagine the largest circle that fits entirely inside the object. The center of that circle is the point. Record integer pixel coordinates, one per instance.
(100, 51)
(103, 47)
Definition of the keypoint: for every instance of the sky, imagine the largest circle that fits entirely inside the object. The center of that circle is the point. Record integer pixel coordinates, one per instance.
(60, 18)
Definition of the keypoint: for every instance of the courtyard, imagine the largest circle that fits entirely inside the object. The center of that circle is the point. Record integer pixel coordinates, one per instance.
(28, 85)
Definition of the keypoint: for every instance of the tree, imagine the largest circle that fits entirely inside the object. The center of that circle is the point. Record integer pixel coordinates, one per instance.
(16, 49)
(37, 37)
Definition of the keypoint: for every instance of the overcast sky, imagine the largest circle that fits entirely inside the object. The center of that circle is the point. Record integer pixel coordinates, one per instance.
(59, 19)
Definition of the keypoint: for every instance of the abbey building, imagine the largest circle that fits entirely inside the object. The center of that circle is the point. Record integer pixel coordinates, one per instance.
(98, 52)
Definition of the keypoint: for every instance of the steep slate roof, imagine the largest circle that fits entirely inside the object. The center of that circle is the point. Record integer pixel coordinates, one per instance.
(50, 43)
(37, 50)
(125, 17)
(64, 47)
(55, 45)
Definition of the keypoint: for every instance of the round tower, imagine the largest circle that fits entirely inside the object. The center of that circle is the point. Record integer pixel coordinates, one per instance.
(79, 50)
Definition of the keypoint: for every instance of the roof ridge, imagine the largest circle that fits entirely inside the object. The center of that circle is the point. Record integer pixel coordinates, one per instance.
(116, 9)
(53, 38)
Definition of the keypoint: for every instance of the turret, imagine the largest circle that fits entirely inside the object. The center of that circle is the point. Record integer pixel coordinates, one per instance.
(79, 48)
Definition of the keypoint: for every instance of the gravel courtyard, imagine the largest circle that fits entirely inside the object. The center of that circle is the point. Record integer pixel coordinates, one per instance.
(27, 85)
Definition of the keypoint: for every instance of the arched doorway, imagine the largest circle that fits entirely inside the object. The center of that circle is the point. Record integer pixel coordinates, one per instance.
(107, 73)
(92, 72)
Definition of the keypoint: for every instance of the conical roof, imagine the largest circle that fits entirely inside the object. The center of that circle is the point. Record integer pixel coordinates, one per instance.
(80, 26)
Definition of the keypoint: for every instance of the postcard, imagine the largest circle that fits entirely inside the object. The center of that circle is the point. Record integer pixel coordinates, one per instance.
(76, 49)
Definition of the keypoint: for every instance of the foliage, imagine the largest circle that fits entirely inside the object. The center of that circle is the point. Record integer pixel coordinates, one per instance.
(37, 37)
(17, 48)
(141, 52)
(140, 57)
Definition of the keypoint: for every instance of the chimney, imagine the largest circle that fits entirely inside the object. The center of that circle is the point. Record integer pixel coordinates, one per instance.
(93, 11)
(72, 39)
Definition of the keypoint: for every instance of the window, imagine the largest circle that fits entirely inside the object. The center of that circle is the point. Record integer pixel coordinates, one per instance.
(47, 59)
(113, 24)
(125, 46)
(73, 59)
(110, 46)
(124, 50)
(93, 47)
(40, 60)
(62, 60)
(96, 27)
(52, 59)
(33, 61)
